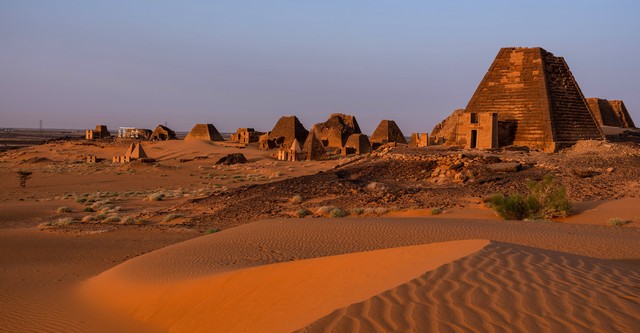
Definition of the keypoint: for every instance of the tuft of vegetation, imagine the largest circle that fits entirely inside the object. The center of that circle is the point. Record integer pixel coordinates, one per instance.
(155, 197)
(296, 199)
(546, 200)
(617, 222)
(302, 213)
(436, 211)
(88, 218)
(337, 213)
(112, 219)
(63, 209)
(324, 210)
(357, 211)
(212, 231)
(89, 210)
(171, 217)
(63, 221)
(127, 220)
(23, 176)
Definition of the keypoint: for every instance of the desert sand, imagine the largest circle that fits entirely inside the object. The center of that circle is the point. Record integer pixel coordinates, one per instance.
(407, 269)
(520, 281)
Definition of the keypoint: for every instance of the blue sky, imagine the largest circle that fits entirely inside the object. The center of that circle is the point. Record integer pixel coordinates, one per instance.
(73, 64)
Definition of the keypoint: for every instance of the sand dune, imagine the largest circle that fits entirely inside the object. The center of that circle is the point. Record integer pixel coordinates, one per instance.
(502, 288)
(227, 281)
(274, 298)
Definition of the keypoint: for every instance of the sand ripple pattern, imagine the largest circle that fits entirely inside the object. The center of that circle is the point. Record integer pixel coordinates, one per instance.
(503, 288)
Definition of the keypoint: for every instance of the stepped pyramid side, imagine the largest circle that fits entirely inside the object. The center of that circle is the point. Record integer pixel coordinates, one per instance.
(536, 99)
(622, 113)
(571, 118)
(603, 112)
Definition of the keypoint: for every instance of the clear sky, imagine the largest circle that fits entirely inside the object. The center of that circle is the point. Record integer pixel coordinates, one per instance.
(244, 63)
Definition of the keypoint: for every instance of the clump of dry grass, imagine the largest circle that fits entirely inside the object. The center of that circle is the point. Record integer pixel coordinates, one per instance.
(63, 209)
(617, 222)
(296, 200)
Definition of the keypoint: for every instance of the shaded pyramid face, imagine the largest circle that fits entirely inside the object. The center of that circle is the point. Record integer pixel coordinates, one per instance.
(286, 130)
(536, 91)
(313, 147)
(204, 132)
(386, 132)
(135, 150)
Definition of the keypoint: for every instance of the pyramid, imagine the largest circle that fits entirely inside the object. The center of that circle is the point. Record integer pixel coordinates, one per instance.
(286, 130)
(621, 112)
(359, 143)
(313, 147)
(531, 93)
(387, 131)
(603, 112)
(161, 133)
(204, 132)
(136, 151)
(336, 130)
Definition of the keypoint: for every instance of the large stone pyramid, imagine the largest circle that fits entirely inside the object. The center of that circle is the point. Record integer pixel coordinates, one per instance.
(286, 130)
(603, 112)
(528, 97)
(204, 132)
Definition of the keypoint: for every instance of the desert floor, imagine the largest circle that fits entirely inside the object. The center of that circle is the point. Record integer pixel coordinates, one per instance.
(408, 270)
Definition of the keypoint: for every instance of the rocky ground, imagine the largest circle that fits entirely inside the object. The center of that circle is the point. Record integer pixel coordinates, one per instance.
(415, 178)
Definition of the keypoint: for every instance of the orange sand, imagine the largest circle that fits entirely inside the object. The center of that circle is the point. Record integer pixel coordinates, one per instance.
(274, 298)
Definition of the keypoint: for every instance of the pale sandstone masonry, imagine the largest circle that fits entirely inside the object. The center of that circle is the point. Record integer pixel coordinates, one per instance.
(535, 94)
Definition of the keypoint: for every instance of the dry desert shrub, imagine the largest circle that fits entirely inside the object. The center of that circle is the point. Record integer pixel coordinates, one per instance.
(617, 222)
(127, 220)
(436, 211)
(302, 213)
(63, 221)
(337, 213)
(212, 231)
(63, 209)
(155, 197)
(112, 219)
(171, 217)
(88, 218)
(296, 199)
(324, 210)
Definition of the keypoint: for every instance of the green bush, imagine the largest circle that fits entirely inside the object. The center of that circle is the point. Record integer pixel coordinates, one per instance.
(546, 200)
(337, 212)
(302, 212)
(212, 231)
(513, 207)
(436, 211)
